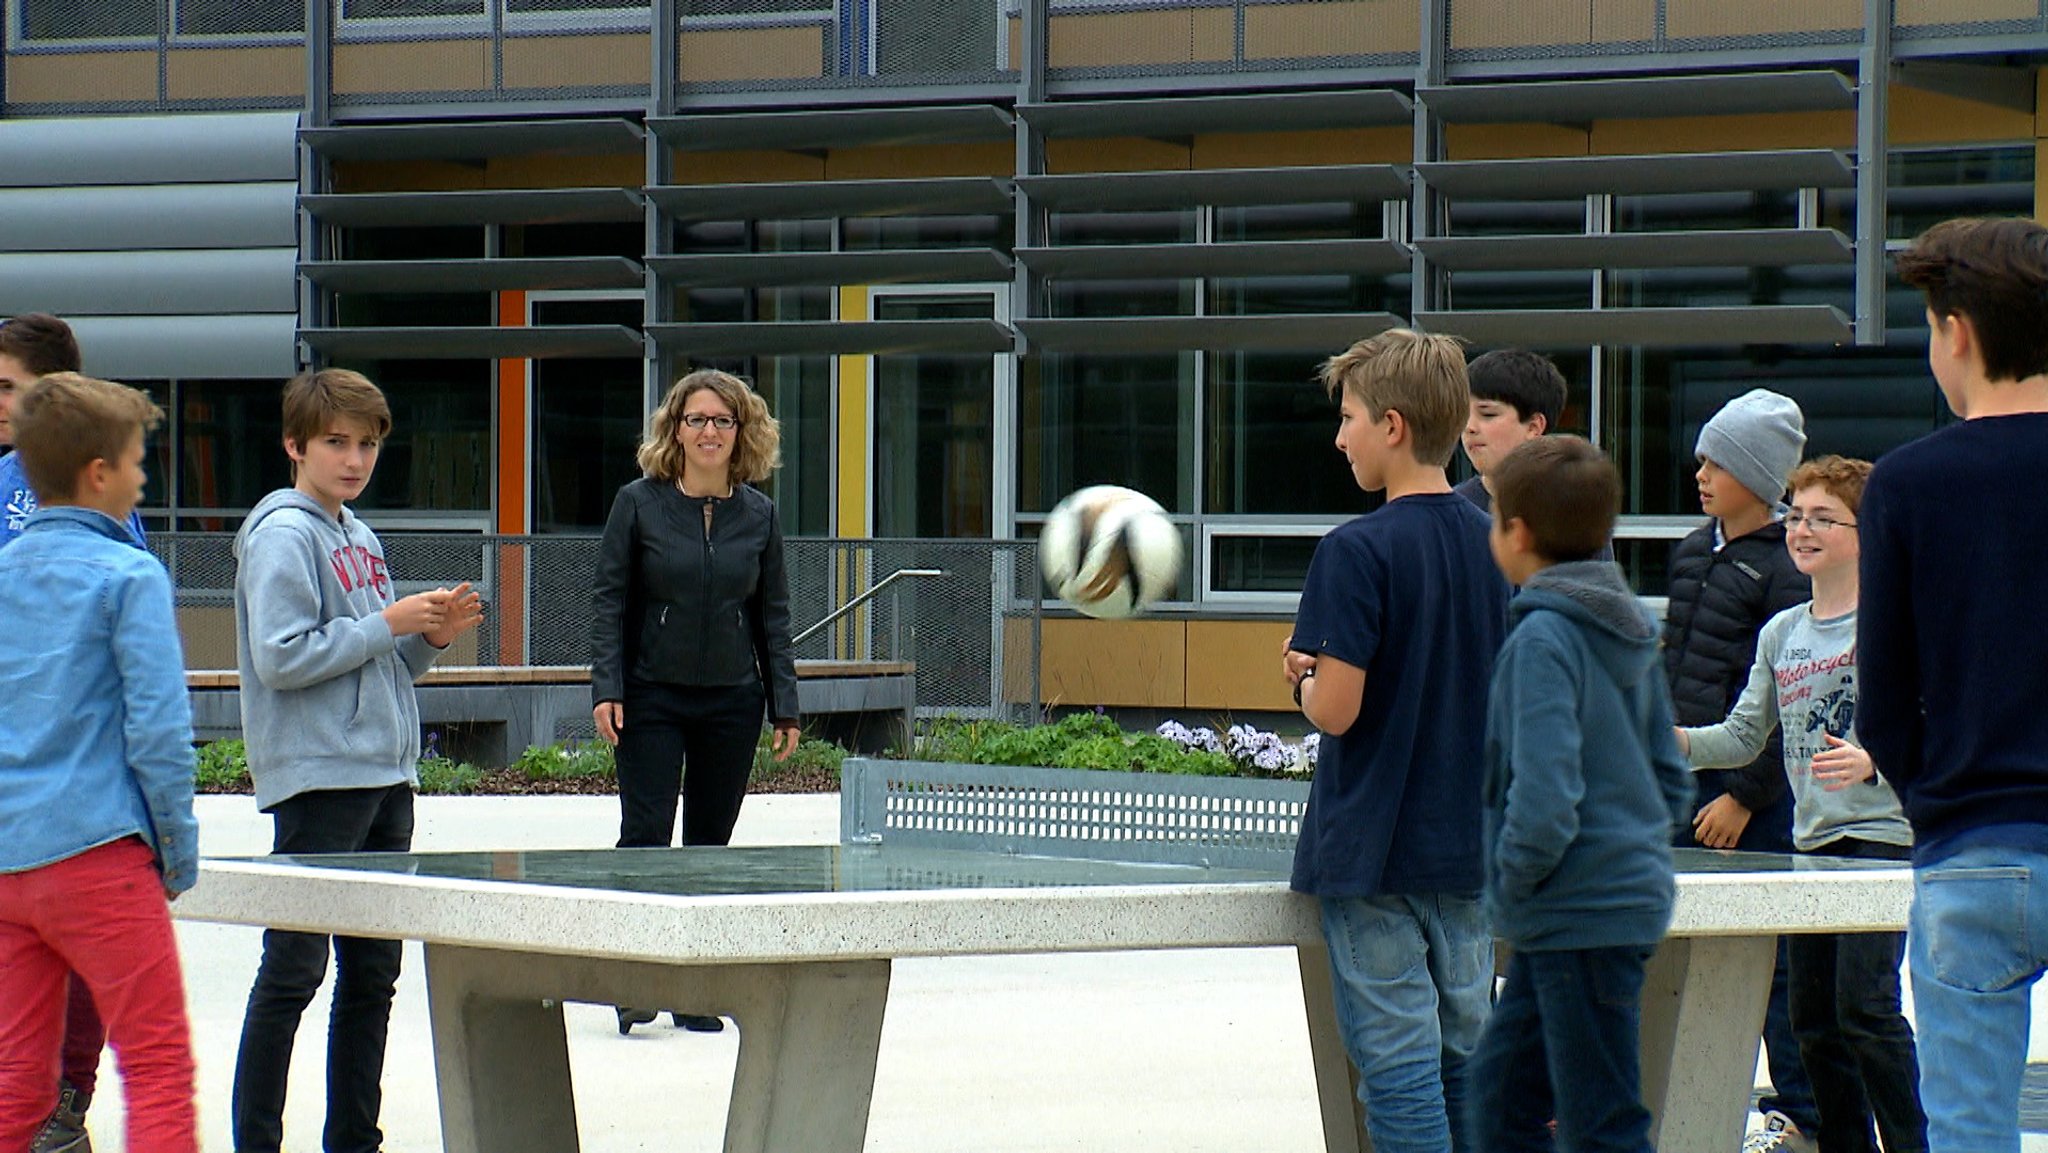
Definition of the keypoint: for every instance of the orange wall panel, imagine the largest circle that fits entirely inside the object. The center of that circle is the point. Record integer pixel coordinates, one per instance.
(710, 55)
(1688, 18)
(1326, 28)
(1725, 133)
(577, 61)
(81, 77)
(1512, 141)
(1117, 154)
(1277, 149)
(1235, 665)
(429, 66)
(235, 73)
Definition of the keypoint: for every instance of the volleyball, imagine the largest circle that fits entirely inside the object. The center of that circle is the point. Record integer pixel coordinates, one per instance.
(1110, 551)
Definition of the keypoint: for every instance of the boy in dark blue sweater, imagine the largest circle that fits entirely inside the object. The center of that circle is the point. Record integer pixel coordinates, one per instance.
(1949, 635)
(1584, 789)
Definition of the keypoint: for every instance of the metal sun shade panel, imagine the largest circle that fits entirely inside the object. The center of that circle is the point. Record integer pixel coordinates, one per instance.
(1710, 248)
(472, 141)
(1580, 101)
(824, 199)
(477, 207)
(1646, 327)
(771, 269)
(246, 346)
(1354, 183)
(477, 343)
(1185, 116)
(833, 127)
(1561, 177)
(1273, 333)
(833, 337)
(533, 274)
(193, 281)
(121, 218)
(243, 148)
(1238, 258)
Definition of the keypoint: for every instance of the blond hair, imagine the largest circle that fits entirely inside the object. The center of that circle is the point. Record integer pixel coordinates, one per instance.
(756, 451)
(64, 422)
(313, 400)
(1422, 377)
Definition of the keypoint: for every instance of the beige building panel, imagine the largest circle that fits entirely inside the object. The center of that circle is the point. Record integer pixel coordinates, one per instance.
(984, 158)
(1235, 665)
(1920, 117)
(1512, 141)
(1278, 149)
(208, 635)
(430, 66)
(1520, 23)
(236, 73)
(81, 77)
(1725, 133)
(1115, 154)
(1911, 12)
(1111, 39)
(1621, 21)
(712, 55)
(1684, 19)
(1348, 28)
(577, 61)
(1136, 663)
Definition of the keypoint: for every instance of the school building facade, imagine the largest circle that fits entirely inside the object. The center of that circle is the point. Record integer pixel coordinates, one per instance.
(978, 253)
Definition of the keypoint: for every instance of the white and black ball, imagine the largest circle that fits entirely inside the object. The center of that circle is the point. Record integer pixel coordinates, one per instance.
(1110, 551)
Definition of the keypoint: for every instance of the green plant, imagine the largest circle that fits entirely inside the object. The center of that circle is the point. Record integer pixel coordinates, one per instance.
(444, 776)
(809, 757)
(1079, 741)
(571, 760)
(221, 767)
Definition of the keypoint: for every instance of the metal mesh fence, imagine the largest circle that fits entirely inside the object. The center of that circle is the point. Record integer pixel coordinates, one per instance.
(970, 626)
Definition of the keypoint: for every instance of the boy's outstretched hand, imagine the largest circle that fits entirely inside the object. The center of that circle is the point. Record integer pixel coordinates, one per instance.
(462, 609)
(1841, 764)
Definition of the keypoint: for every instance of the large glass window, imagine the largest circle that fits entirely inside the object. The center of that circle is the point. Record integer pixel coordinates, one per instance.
(1272, 439)
(230, 449)
(1127, 420)
(798, 390)
(934, 429)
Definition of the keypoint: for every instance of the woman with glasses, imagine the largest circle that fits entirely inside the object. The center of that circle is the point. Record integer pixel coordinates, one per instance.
(689, 629)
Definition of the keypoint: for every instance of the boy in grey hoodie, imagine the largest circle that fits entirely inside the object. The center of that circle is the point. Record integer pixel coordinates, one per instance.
(1584, 789)
(328, 656)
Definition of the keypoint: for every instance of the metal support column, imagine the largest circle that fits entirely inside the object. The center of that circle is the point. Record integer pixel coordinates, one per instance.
(1425, 290)
(313, 168)
(660, 240)
(1029, 226)
(1873, 100)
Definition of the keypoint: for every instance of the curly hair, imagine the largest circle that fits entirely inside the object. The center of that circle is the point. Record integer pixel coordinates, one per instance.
(1839, 476)
(756, 451)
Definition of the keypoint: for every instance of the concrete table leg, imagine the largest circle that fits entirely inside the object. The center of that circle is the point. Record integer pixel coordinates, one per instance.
(502, 1061)
(808, 1046)
(1336, 1081)
(1703, 1017)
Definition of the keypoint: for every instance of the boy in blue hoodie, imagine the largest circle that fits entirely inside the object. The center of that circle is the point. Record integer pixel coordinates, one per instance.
(328, 656)
(96, 824)
(1584, 790)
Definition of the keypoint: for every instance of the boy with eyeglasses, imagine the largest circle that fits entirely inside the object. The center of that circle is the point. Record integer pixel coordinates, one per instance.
(1854, 1042)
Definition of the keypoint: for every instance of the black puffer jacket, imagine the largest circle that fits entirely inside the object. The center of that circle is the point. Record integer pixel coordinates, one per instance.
(1719, 602)
(675, 606)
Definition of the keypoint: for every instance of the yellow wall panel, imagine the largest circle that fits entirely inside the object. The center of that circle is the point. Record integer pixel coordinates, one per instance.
(1920, 117)
(747, 167)
(406, 176)
(709, 55)
(982, 158)
(1725, 133)
(1910, 12)
(1167, 36)
(1234, 665)
(1119, 154)
(81, 77)
(429, 66)
(577, 61)
(1519, 23)
(1350, 27)
(624, 171)
(236, 73)
(852, 432)
(1277, 149)
(1136, 663)
(1688, 18)
(1512, 141)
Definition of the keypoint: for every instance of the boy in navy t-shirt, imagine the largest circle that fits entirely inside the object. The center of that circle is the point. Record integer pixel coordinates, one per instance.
(1400, 617)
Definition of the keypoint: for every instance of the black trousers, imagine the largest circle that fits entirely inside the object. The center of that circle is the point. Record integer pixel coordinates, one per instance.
(294, 964)
(694, 741)
(1853, 1039)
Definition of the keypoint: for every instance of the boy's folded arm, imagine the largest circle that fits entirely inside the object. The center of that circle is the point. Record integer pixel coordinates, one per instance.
(1544, 752)
(291, 646)
(157, 721)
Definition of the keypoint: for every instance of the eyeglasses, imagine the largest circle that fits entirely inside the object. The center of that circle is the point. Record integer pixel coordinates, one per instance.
(1816, 522)
(698, 420)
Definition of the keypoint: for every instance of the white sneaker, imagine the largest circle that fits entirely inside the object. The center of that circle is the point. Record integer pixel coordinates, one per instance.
(1779, 1135)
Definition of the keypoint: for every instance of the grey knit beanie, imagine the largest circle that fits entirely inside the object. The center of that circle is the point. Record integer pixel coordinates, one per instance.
(1757, 437)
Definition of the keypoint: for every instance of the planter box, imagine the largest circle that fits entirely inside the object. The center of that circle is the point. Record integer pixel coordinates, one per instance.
(1167, 818)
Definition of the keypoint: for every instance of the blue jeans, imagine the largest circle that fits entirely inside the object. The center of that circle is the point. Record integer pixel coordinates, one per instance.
(1978, 941)
(1563, 1044)
(1413, 977)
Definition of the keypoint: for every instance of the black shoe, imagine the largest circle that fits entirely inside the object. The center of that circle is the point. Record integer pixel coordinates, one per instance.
(696, 1024)
(65, 1131)
(631, 1017)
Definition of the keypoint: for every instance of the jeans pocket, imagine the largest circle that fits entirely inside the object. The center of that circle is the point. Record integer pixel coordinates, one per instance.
(1975, 920)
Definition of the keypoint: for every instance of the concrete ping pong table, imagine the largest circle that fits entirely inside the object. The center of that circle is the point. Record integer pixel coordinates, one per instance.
(795, 944)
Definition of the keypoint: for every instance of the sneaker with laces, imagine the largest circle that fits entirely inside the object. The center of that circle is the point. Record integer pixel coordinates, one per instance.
(1779, 1135)
(65, 1131)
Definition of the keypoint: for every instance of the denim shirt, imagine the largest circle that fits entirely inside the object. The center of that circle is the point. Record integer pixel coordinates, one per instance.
(96, 729)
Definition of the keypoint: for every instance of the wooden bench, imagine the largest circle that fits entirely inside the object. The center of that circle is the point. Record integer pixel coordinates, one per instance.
(490, 714)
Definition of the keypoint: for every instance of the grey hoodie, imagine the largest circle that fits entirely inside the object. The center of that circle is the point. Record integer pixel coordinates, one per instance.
(327, 697)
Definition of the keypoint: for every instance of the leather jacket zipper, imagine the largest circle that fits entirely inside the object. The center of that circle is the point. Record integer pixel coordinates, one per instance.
(710, 566)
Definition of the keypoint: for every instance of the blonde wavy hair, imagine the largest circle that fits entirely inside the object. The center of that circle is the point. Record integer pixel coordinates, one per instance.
(756, 451)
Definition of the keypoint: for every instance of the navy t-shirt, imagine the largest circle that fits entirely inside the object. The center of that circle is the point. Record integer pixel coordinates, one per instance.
(1410, 594)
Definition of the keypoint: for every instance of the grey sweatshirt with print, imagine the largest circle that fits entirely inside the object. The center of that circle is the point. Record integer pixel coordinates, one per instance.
(327, 691)
(1804, 680)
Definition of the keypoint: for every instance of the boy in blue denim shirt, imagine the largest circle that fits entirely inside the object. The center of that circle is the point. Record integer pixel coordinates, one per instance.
(96, 823)
(1584, 790)
(1401, 614)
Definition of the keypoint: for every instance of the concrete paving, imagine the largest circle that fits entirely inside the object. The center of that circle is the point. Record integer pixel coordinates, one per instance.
(1183, 1052)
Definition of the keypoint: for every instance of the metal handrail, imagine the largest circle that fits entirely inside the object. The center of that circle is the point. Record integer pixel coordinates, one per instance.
(864, 598)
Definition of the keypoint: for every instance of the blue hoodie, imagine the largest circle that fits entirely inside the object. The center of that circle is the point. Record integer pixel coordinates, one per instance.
(18, 502)
(1584, 782)
(96, 738)
(327, 691)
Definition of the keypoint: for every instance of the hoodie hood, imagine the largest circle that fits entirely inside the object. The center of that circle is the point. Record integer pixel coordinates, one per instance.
(1619, 630)
(290, 498)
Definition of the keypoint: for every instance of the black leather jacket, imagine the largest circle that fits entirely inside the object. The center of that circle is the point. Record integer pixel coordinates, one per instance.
(676, 606)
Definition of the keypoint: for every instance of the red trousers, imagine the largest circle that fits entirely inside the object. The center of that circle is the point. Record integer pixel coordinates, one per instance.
(102, 916)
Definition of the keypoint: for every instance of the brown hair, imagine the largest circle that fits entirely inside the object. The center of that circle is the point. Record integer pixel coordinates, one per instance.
(312, 401)
(756, 451)
(1843, 478)
(1565, 490)
(41, 342)
(63, 422)
(1996, 273)
(1421, 377)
